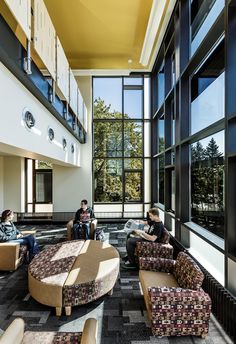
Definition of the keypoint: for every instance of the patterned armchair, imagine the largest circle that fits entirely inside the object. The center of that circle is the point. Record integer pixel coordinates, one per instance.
(175, 301)
(154, 249)
(15, 334)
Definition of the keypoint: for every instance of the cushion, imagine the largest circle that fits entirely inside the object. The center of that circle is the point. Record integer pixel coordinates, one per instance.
(187, 272)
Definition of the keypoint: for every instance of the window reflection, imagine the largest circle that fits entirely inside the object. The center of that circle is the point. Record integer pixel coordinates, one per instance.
(160, 86)
(107, 97)
(207, 91)
(133, 139)
(161, 134)
(133, 105)
(207, 183)
(107, 180)
(133, 186)
(161, 179)
(108, 139)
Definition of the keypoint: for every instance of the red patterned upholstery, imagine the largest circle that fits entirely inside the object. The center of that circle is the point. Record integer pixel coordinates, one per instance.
(176, 303)
(154, 249)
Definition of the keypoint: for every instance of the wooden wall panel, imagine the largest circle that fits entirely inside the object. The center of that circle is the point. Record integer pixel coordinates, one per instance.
(21, 10)
(44, 37)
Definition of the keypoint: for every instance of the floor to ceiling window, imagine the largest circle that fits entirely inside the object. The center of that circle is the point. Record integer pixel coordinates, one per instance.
(121, 146)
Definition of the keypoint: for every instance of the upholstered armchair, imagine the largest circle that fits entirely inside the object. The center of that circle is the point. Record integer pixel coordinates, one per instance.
(176, 303)
(15, 334)
(93, 226)
(154, 249)
(12, 254)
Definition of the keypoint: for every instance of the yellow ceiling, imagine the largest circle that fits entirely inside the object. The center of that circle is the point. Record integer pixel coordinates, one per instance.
(101, 34)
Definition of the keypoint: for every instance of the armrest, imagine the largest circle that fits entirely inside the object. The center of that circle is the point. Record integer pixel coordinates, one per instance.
(9, 250)
(29, 232)
(154, 249)
(89, 335)
(156, 264)
(174, 296)
(14, 333)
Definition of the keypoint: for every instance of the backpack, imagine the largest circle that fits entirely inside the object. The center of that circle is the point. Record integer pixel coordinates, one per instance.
(99, 234)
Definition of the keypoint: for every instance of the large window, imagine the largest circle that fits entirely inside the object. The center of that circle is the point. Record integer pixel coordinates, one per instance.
(161, 176)
(160, 86)
(207, 183)
(118, 127)
(207, 91)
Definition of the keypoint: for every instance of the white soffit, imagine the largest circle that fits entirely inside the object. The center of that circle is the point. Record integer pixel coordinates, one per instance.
(155, 19)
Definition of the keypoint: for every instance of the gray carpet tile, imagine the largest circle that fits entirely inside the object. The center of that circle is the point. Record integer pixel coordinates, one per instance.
(122, 317)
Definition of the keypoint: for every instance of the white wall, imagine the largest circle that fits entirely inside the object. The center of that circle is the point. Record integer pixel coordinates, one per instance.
(70, 185)
(14, 185)
(16, 139)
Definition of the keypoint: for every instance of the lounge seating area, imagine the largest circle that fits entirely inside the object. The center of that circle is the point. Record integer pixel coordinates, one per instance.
(172, 295)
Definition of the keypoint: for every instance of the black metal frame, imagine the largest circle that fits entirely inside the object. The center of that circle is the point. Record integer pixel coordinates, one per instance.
(179, 27)
(123, 157)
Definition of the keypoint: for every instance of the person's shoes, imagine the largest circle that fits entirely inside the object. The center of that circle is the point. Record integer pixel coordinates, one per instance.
(125, 259)
(129, 266)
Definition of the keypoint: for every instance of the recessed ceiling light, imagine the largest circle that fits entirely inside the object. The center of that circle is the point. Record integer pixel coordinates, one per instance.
(130, 60)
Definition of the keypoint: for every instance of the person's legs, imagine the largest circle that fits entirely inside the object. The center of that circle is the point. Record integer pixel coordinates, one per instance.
(130, 247)
(75, 231)
(29, 241)
(86, 227)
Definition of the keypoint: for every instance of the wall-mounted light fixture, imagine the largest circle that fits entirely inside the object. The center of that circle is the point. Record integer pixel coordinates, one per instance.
(51, 134)
(28, 119)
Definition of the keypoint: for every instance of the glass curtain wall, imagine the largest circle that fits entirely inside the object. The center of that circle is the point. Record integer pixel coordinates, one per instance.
(120, 139)
(189, 130)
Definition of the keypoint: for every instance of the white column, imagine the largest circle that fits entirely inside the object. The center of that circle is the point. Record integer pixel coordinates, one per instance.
(13, 184)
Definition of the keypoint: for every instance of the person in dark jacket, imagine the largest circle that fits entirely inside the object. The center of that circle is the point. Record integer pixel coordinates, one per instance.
(9, 232)
(153, 233)
(82, 220)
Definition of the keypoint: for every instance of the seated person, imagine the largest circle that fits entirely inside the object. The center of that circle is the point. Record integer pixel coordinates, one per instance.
(9, 233)
(82, 220)
(153, 233)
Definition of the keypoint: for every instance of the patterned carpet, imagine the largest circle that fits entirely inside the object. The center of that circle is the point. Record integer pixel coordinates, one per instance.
(122, 317)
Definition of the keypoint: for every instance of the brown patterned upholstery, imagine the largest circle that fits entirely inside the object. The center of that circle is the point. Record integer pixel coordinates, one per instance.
(73, 273)
(154, 249)
(176, 306)
(187, 272)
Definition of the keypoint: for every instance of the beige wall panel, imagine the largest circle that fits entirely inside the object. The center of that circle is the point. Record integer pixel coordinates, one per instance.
(13, 183)
(80, 107)
(62, 73)
(44, 37)
(21, 11)
(1, 185)
(73, 96)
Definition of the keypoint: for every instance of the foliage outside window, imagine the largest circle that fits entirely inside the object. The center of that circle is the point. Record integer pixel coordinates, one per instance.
(118, 141)
(207, 183)
(161, 179)
(161, 134)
